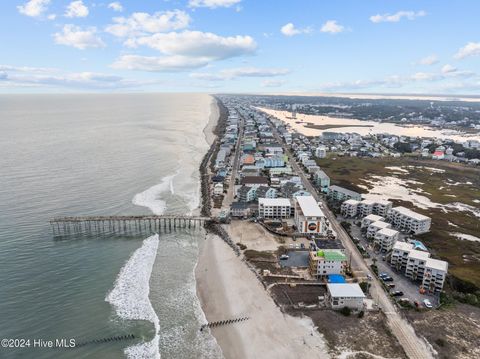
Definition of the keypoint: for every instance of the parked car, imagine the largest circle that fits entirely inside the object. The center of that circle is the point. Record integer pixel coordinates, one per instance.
(391, 285)
(427, 303)
(383, 275)
(404, 300)
(397, 293)
(387, 279)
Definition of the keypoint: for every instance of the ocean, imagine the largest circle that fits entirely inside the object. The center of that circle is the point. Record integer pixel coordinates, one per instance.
(101, 154)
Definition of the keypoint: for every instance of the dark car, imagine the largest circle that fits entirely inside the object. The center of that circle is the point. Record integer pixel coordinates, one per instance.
(387, 279)
(417, 304)
(397, 293)
(391, 285)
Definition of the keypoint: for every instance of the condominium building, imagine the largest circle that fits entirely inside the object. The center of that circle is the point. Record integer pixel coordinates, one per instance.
(382, 207)
(325, 262)
(321, 152)
(371, 218)
(385, 238)
(365, 207)
(309, 218)
(341, 194)
(322, 181)
(274, 208)
(434, 275)
(399, 256)
(375, 227)
(416, 264)
(349, 208)
(408, 220)
(419, 266)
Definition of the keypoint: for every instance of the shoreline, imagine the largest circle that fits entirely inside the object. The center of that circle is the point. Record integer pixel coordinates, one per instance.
(227, 288)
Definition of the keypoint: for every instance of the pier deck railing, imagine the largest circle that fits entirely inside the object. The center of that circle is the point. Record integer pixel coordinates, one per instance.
(123, 224)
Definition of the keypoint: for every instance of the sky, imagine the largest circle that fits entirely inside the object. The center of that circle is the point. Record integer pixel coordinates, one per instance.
(240, 46)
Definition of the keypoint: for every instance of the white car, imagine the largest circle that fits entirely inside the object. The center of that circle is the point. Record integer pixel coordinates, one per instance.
(427, 303)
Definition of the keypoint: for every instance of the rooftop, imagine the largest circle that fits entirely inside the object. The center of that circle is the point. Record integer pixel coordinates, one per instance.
(388, 232)
(437, 264)
(374, 218)
(404, 246)
(255, 180)
(410, 213)
(344, 190)
(418, 254)
(332, 255)
(345, 290)
(380, 224)
(352, 202)
(274, 201)
(309, 206)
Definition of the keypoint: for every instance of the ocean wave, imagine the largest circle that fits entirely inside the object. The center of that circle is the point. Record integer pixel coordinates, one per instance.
(130, 296)
(150, 197)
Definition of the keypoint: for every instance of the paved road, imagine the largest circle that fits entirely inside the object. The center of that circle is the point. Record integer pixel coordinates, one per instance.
(414, 347)
(231, 187)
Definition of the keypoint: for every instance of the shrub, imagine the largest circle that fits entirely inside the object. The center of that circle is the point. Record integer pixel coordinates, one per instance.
(346, 311)
(361, 314)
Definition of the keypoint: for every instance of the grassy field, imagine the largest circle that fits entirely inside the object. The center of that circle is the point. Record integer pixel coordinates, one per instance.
(458, 183)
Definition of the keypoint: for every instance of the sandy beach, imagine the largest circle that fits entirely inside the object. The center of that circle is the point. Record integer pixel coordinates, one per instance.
(228, 289)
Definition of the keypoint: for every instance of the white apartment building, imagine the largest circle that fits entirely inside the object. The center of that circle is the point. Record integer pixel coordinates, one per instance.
(340, 295)
(375, 227)
(309, 218)
(399, 256)
(321, 152)
(419, 266)
(274, 208)
(382, 207)
(349, 208)
(385, 238)
(371, 218)
(365, 207)
(434, 275)
(408, 220)
(326, 262)
(416, 264)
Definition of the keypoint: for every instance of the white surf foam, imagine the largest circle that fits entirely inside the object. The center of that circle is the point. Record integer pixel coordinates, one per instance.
(130, 296)
(150, 198)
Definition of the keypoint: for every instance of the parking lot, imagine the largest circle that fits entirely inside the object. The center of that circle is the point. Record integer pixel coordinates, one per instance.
(295, 259)
(409, 288)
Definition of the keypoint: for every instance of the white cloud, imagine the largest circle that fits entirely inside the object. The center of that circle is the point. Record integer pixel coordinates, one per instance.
(451, 71)
(332, 27)
(159, 64)
(141, 23)
(272, 83)
(426, 76)
(34, 8)
(115, 6)
(197, 44)
(52, 17)
(77, 37)
(448, 69)
(410, 15)
(76, 9)
(290, 30)
(429, 60)
(47, 77)
(470, 49)
(230, 74)
(212, 4)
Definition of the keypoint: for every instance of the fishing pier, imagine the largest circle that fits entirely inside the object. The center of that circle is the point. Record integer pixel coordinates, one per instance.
(123, 225)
